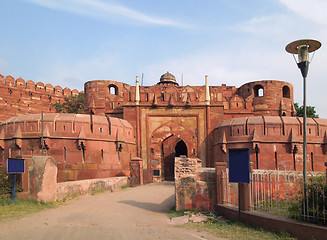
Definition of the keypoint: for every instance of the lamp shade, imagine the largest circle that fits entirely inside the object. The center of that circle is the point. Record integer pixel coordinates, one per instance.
(303, 47)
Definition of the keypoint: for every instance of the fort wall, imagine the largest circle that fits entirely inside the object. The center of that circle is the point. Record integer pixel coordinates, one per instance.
(84, 146)
(19, 97)
(273, 142)
(167, 114)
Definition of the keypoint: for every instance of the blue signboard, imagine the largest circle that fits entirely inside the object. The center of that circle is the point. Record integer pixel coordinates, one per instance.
(239, 165)
(15, 165)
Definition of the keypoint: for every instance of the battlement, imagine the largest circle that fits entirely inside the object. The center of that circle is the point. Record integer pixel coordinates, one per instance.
(18, 96)
(258, 98)
(38, 87)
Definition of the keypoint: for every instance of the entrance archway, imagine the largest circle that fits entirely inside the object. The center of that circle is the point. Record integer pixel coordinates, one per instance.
(180, 149)
(172, 147)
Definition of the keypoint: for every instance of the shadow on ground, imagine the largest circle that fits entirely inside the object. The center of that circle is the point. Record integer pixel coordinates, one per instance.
(154, 207)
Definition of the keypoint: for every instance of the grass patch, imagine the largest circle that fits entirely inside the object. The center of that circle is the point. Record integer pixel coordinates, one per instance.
(236, 230)
(22, 207)
(125, 186)
(173, 213)
(97, 191)
(228, 229)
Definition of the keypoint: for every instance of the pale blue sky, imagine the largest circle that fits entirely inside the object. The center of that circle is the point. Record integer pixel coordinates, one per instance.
(69, 42)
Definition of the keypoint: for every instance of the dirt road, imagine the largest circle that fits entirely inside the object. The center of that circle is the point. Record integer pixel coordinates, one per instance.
(134, 213)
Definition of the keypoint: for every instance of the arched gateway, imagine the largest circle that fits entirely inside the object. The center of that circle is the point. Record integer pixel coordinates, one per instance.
(172, 147)
(168, 141)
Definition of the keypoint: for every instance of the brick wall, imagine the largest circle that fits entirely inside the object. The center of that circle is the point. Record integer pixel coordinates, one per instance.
(84, 146)
(18, 97)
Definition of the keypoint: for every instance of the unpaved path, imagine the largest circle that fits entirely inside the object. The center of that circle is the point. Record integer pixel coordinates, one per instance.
(134, 213)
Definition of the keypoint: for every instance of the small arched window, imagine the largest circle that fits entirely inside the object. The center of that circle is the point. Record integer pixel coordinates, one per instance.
(258, 91)
(286, 92)
(113, 89)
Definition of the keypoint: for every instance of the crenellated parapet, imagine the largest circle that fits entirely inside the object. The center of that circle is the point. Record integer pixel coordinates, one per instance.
(266, 97)
(19, 97)
(109, 97)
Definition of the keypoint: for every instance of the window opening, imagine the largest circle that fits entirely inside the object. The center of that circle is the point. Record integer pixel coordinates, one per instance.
(113, 90)
(258, 91)
(286, 92)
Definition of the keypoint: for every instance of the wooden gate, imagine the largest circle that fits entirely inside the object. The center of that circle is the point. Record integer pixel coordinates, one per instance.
(135, 178)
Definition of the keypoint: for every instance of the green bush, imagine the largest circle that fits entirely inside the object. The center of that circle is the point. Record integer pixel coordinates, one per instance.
(5, 183)
(317, 202)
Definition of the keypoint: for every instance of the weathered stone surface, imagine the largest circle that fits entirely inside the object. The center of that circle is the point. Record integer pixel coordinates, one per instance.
(195, 186)
(43, 178)
(66, 190)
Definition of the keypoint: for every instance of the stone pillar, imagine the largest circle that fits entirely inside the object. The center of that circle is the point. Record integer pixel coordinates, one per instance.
(43, 178)
(185, 182)
(221, 181)
(245, 194)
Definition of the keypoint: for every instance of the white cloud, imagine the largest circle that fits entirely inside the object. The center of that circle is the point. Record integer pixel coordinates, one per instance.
(76, 74)
(267, 25)
(314, 10)
(103, 10)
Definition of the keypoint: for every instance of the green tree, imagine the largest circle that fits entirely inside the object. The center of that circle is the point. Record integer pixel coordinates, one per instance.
(311, 112)
(72, 104)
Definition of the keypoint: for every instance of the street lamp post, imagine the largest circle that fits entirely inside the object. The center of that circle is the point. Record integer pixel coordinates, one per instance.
(302, 48)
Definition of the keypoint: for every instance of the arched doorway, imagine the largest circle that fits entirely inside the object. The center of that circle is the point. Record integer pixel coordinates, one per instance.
(180, 149)
(171, 147)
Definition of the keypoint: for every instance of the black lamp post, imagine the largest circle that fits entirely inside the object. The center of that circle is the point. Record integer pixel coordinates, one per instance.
(302, 48)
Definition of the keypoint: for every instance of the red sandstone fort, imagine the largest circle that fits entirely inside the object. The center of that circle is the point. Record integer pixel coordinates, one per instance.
(155, 124)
